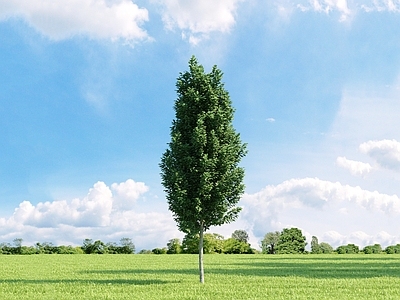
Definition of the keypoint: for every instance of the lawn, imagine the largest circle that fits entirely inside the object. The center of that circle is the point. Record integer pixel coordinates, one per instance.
(176, 277)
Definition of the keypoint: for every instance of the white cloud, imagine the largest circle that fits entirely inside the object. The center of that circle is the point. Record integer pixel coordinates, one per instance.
(105, 213)
(98, 19)
(126, 193)
(324, 6)
(93, 210)
(381, 5)
(385, 152)
(196, 19)
(355, 167)
(359, 238)
(270, 120)
(298, 198)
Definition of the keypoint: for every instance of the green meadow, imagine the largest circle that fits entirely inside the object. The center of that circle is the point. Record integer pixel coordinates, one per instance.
(176, 277)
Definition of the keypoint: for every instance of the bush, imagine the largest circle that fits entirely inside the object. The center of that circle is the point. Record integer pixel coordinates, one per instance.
(374, 249)
(348, 249)
(393, 249)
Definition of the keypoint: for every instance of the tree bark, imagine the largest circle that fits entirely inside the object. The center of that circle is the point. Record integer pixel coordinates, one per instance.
(201, 266)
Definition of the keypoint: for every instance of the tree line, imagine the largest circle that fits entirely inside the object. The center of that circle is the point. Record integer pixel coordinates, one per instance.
(125, 246)
(287, 241)
(292, 241)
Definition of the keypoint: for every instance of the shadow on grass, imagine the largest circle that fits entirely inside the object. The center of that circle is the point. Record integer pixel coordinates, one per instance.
(339, 268)
(89, 281)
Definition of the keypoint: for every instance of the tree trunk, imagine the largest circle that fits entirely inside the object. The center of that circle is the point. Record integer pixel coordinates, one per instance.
(201, 266)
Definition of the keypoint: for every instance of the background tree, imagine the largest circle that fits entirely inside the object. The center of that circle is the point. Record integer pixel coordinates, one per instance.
(241, 236)
(127, 246)
(212, 243)
(200, 171)
(159, 250)
(348, 249)
(174, 246)
(233, 246)
(325, 248)
(315, 247)
(268, 244)
(291, 241)
(18, 245)
(373, 249)
(393, 249)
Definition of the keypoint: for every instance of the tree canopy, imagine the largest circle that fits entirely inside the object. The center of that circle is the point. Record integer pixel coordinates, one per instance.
(199, 170)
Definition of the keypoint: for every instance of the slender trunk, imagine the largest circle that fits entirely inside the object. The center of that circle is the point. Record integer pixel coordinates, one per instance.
(201, 267)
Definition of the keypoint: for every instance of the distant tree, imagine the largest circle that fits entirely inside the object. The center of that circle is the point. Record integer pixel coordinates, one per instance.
(291, 241)
(315, 247)
(145, 251)
(159, 250)
(373, 249)
(348, 249)
(241, 236)
(268, 244)
(234, 246)
(200, 171)
(127, 246)
(325, 248)
(174, 246)
(393, 249)
(18, 245)
(212, 243)
(97, 247)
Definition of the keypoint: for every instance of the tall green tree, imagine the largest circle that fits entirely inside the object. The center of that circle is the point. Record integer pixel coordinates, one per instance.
(315, 247)
(199, 170)
(291, 241)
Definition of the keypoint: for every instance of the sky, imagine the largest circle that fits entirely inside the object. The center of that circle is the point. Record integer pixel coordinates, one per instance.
(87, 90)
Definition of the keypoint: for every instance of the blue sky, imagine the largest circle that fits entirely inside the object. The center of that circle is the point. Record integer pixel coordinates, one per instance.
(87, 92)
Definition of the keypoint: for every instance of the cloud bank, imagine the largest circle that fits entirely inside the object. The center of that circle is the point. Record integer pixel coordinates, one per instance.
(315, 205)
(97, 19)
(104, 213)
(318, 207)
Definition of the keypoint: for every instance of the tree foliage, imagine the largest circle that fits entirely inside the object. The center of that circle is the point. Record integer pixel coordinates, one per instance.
(199, 170)
(241, 236)
(291, 241)
(325, 248)
(268, 244)
(174, 246)
(348, 249)
(373, 249)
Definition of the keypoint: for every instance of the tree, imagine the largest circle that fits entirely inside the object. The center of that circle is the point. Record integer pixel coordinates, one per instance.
(233, 246)
(315, 247)
(97, 247)
(212, 243)
(268, 244)
(18, 245)
(241, 236)
(291, 241)
(373, 249)
(393, 249)
(159, 250)
(199, 170)
(348, 249)
(127, 246)
(325, 248)
(174, 246)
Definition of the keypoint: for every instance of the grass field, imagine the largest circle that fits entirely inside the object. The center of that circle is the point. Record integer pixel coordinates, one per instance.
(176, 277)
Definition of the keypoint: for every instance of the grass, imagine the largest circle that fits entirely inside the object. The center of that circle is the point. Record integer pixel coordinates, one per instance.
(176, 277)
